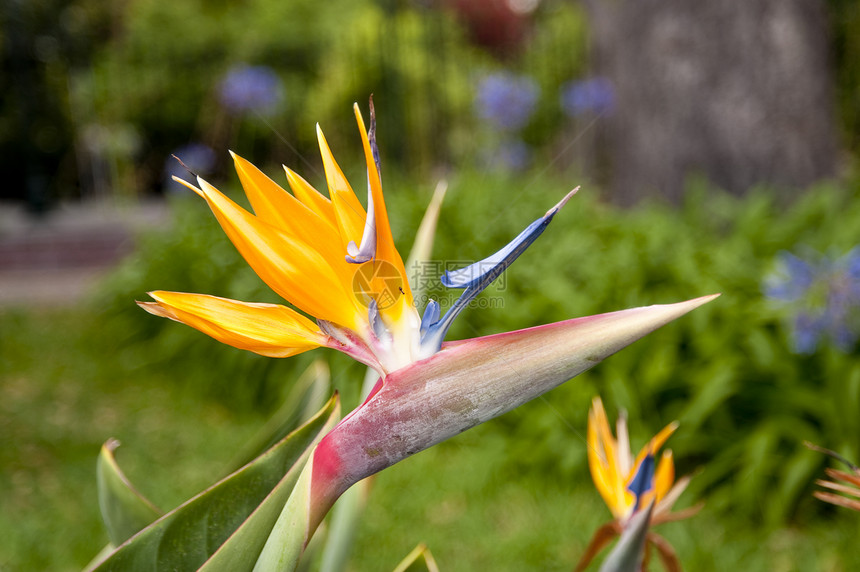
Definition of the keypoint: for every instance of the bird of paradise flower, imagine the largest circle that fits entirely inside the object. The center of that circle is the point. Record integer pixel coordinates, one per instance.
(309, 248)
(631, 485)
(296, 243)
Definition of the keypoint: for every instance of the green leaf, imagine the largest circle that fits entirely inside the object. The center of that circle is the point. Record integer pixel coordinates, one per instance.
(124, 510)
(244, 546)
(721, 385)
(419, 560)
(305, 397)
(345, 518)
(627, 554)
(290, 535)
(797, 474)
(349, 508)
(230, 520)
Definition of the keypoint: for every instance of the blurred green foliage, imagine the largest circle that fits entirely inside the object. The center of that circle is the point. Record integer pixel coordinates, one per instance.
(104, 92)
(124, 85)
(727, 372)
(161, 73)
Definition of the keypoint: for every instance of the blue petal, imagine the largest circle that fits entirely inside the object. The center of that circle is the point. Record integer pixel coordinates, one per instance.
(807, 331)
(431, 315)
(482, 273)
(792, 281)
(475, 277)
(643, 480)
(375, 322)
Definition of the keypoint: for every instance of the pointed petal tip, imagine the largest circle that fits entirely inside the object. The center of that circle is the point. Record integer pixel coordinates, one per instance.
(664, 313)
(156, 295)
(670, 429)
(562, 202)
(153, 308)
(702, 300)
(188, 185)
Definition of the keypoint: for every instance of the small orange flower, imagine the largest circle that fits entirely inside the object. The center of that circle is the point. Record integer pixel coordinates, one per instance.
(629, 485)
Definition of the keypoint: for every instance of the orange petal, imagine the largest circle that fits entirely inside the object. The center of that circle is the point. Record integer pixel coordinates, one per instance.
(291, 267)
(664, 476)
(603, 463)
(309, 196)
(597, 461)
(623, 498)
(279, 208)
(656, 442)
(348, 212)
(664, 435)
(267, 329)
(385, 249)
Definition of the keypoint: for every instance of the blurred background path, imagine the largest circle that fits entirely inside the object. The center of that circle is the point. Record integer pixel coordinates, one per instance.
(56, 259)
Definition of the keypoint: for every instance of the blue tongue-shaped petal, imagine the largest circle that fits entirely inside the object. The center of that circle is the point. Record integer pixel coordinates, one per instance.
(431, 315)
(475, 277)
(643, 480)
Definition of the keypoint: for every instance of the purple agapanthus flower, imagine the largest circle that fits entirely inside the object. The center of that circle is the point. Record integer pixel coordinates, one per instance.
(587, 96)
(823, 294)
(508, 155)
(506, 101)
(197, 157)
(247, 88)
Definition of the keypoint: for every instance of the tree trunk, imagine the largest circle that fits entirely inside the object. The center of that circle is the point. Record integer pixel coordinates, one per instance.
(737, 91)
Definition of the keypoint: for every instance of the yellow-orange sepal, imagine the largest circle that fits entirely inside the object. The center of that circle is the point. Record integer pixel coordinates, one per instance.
(267, 329)
(296, 270)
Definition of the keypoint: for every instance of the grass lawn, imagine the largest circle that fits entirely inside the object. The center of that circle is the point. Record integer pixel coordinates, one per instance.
(61, 397)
